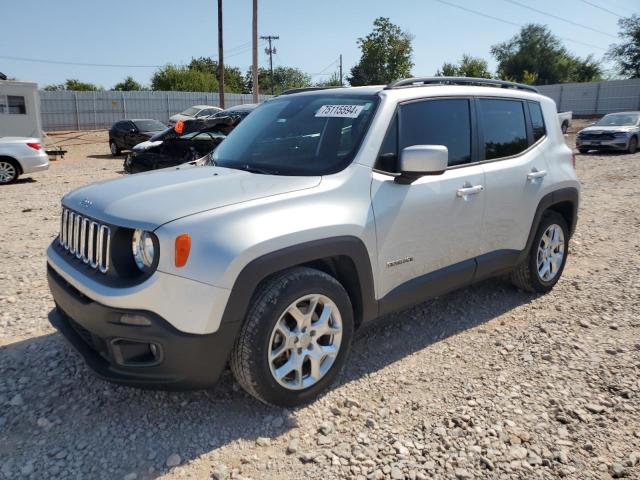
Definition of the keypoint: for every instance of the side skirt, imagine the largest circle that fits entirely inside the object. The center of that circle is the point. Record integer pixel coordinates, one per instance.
(445, 280)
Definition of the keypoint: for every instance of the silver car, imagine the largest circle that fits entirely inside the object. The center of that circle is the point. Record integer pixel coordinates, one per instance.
(321, 211)
(615, 131)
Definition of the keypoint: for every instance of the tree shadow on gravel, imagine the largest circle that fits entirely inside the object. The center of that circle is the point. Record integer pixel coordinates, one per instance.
(55, 414)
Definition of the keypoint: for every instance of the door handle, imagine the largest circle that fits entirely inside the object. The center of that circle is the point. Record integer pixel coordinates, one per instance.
(467, 190)
(535, 174)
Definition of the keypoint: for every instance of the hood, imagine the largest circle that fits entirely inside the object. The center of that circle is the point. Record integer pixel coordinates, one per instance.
(148, 200)
(596, 128)
(179, 116)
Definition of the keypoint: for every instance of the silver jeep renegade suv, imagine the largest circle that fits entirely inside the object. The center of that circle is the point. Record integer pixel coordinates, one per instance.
(321, 211)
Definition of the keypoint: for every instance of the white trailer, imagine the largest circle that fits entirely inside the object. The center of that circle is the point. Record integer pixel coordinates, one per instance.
(20, 109)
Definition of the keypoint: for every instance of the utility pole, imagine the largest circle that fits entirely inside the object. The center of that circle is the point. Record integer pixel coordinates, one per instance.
(341, 70)
(270, 51)
(254, 66)
(220, 57)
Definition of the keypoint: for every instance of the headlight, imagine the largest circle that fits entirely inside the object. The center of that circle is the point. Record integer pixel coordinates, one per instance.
(143, 249)
(620, 134)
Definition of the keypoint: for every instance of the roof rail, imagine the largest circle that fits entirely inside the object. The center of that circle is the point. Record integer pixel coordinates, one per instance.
(489, 82)
(306, 89)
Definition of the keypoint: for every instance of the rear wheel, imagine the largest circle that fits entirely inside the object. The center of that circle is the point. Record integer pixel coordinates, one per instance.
(115, 150)
(545, 262)
(633, 145)
(295, 339)
(9, 171)
(564, 127)
(583, 150)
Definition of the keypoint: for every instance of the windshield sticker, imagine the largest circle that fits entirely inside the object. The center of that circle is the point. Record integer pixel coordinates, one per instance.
(339, 111)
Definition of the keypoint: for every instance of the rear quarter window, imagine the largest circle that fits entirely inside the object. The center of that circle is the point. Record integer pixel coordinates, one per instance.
(537, 121)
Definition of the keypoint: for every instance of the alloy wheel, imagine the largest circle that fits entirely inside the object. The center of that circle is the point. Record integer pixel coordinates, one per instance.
(7, 172)
(305, 342)
(550, 252)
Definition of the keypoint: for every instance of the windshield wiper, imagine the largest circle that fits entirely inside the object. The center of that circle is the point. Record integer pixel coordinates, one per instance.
(253, 169)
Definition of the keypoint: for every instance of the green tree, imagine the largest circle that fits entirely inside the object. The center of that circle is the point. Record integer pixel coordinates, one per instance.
(386, 55)
(468, 67)
(183, 79)
(284, 78)
(536, 53)
(233, 79)
(128, 85)
(627, 54)
(332, 81)
(73, 84)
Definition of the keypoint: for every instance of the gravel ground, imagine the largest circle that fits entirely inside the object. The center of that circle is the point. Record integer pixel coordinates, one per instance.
(487, 382)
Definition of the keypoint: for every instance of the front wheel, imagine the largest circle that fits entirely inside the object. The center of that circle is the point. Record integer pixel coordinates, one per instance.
(115, 150)
(545, 262)
(295, 339)
(633, 145)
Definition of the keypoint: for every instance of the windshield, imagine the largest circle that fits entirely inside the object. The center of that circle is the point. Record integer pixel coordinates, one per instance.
(299, 135)
(191, 111)
(149, 125)
(618, 120)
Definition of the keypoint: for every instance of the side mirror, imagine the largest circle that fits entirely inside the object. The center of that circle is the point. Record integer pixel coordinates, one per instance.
(133, 130)
(420, 160)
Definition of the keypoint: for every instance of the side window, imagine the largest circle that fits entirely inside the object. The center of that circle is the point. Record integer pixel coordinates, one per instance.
(388, 156)
(503, 127)
(3, 104)
(16, 105)
(537, 121)
(438, 122)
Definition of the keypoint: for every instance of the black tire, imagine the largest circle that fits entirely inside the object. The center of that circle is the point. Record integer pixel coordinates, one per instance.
(564, 127)
(10, 170)
(114, 148)
(249, 358)
(525, 276)
(633, 145)
(583, 150)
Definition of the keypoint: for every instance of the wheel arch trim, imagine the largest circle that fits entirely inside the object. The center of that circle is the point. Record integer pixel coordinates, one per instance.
(256, 271)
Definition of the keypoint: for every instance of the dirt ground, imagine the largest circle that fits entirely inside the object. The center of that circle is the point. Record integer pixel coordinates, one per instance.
(487, 382)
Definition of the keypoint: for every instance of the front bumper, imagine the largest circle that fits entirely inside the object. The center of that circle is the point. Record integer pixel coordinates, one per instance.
(122, 353)
(614, 144)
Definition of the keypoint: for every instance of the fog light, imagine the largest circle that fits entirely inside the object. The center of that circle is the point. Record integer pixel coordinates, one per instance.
(134, 319)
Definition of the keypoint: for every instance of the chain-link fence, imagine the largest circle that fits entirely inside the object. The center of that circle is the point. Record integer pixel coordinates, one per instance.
(595, 98)
(68, 110)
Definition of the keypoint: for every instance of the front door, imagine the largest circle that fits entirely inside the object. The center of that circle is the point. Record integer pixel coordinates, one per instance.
(430, 229)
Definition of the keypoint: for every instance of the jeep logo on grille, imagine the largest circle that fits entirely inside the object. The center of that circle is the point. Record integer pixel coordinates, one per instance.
(86, 203)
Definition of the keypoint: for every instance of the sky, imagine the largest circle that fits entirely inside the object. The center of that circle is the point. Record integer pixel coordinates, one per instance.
(143, 34)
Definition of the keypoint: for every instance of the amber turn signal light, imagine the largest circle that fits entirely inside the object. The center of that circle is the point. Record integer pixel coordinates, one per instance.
(179, 128)
(183, 247)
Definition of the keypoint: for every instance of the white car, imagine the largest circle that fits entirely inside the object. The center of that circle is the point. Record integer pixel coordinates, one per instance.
(197, 111)
(19, 156)
(321, 211)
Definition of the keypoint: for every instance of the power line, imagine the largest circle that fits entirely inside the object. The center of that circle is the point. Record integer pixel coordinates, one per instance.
(322, 72)
(601, 8)
(61, 62)
(562, 19)
(508, 22)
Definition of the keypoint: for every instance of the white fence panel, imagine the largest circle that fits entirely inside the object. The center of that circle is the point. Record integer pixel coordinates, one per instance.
(92, 110)
(595, 98)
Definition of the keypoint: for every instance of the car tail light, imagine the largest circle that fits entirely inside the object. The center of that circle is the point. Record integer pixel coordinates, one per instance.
(34, 145)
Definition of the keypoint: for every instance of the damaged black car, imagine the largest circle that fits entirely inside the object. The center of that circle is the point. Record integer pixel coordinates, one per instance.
(188, 141)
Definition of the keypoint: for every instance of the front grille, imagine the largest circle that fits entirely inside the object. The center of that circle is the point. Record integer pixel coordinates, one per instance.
(597, 136)
(85, 239)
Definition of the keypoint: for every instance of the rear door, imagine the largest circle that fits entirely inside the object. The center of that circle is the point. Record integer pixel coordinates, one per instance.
(430, 225)
(511, 134)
